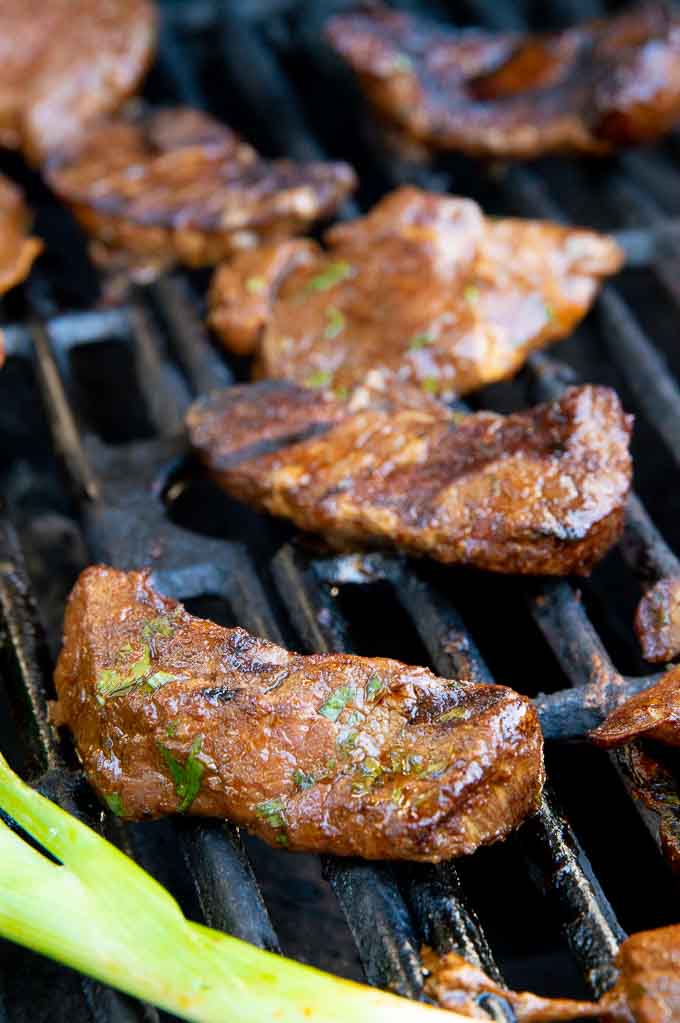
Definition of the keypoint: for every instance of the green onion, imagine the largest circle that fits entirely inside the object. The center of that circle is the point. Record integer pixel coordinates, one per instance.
(98, 912)
(430, 384)
(335, 323)
(333, 274)
(471, 294)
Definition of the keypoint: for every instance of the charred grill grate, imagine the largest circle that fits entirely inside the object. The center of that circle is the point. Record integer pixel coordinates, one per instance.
(124, 498)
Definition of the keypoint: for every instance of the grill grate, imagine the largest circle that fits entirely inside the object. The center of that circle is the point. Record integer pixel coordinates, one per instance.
(289, 594)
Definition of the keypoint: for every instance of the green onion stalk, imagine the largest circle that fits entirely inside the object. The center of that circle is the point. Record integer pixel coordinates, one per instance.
(98, 912)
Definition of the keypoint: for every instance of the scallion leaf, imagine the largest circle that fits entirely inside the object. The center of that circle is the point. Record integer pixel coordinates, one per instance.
(96, 911)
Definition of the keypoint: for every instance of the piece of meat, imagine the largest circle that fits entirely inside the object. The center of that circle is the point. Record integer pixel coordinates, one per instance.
(348, 755)
(65, 62)
(424, 289)
(588, 89)
(153, 188)
(455, 984)
(647, 989)
(657, 621)
(18, 251)
(538, 492)
(652, 714)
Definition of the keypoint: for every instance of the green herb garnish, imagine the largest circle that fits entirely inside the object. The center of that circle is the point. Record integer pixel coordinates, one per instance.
(430, 384)
(342, 393)
(318, 379)
(451, 715)
(164, 625)
(371, 767)
(186, 776)
(114, 803)
(273, 812)
(374, 686)
(113, 682)
(336, 703)
(420, 341)
(161, 678)
(347, 740)
(255, 285)
(335, 322)
(171, 730)
(303, 780)
(331, 275)
(471, 294)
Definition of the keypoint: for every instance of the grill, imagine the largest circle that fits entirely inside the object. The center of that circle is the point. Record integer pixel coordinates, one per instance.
(98, 387)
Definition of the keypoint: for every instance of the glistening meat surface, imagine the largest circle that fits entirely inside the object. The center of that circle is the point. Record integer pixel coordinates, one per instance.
(176, 185)
(65, 62)
(348, 755)
(424, 290)
(652, 714)
(538, 492)
(587, 89)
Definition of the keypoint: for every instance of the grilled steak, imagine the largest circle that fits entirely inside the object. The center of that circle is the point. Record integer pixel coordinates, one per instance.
(647, 990)
(64, 62)
(652, 714)
(657, 621)
(176, 185)
(588, 89)
(424, 289)
(18, 251)
(540, 492)
(347, 755)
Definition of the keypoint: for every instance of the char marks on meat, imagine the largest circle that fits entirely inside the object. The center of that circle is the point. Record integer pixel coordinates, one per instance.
(588, 89)
(539, 492)
(348, 755)
(647, 989)
(64, 63)
(424, 290)
(176, 185)
(651, 714)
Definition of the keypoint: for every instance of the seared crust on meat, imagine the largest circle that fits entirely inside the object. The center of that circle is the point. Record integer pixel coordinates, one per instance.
(588, 89)
(64, 63)
(347, 755)
(539, 492)
(176, 185)
(652, 714)
(423, 290)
